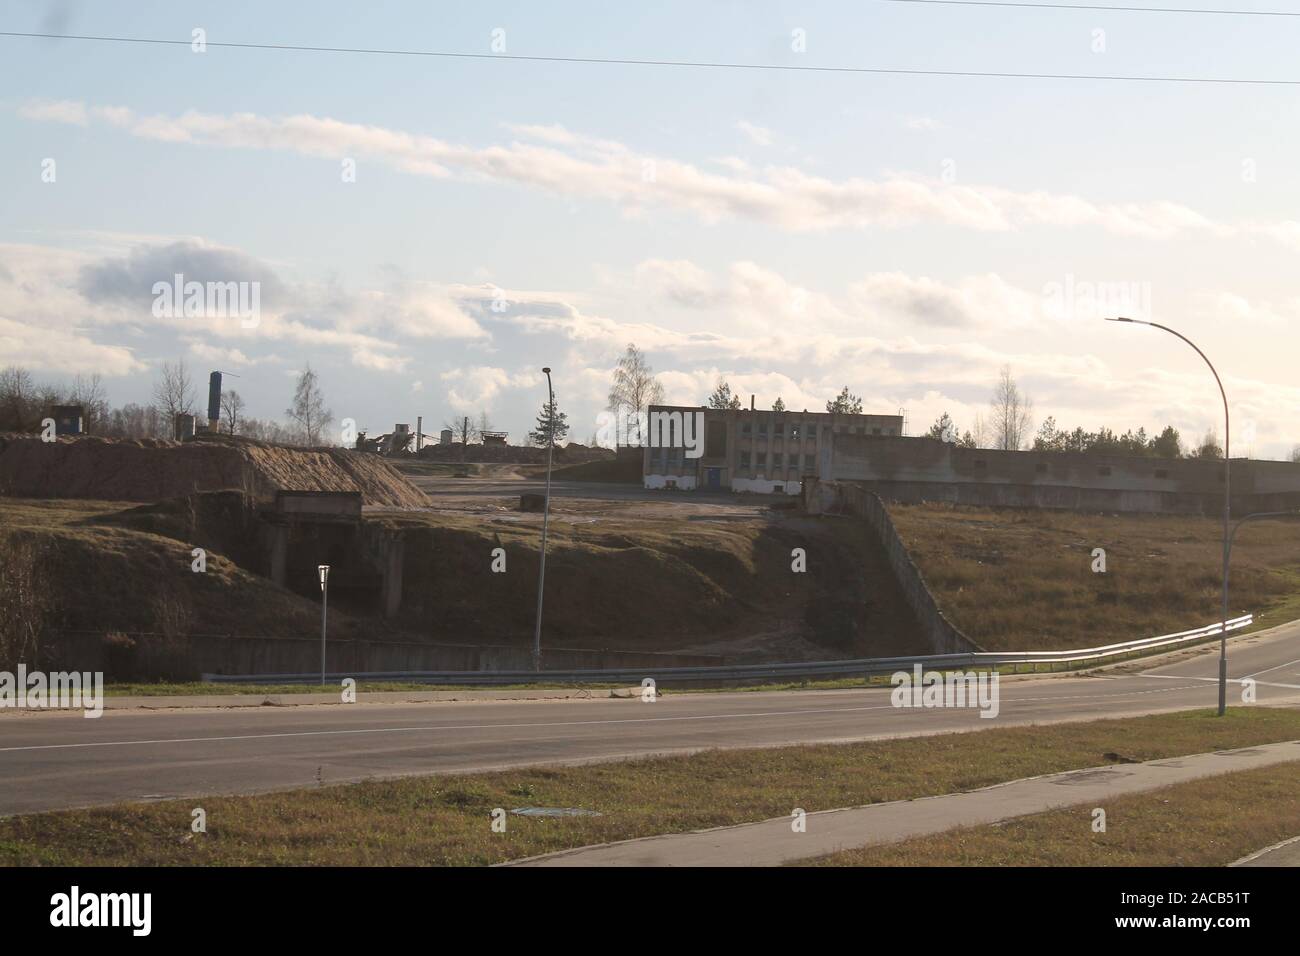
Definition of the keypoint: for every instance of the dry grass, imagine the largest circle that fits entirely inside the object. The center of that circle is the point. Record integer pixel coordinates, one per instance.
(1018, 579)
(107, 576)
(444, 820)
(1209, 822)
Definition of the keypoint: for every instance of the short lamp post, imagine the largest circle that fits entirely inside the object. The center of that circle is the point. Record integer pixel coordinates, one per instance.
(324, 571)
(1227, 505)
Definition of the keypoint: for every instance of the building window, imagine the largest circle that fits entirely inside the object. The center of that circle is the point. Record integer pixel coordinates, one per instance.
(747, 428)
(744, 459)
(762, 429)
(1104, 471)
(875, 431)
(777, 459)
(796, 432)
(808, 464)
(760, 460)
(1041, 467)
(1162, 473)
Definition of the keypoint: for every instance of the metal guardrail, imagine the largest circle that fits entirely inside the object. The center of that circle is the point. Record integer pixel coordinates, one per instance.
(861, 667)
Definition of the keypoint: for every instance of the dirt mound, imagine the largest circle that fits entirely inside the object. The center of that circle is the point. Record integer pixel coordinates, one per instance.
(151, 470)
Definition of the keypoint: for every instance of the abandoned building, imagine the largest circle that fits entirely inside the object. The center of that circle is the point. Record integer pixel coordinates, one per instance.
(810, 452)
(751, 449)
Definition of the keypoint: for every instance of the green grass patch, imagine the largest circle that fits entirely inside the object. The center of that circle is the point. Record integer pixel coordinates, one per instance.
(446, 819)
(1209, 822)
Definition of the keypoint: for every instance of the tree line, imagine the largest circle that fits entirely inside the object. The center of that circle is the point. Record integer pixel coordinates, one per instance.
(1009, 420)
(24, 403)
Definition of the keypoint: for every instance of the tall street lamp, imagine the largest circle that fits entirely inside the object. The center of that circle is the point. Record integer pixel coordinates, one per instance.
(546, 516)
(1227, 505)
(324, 571)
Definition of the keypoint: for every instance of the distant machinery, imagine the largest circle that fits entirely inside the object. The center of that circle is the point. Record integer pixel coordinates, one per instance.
(214, 401)
(68, 419)
(183, 427)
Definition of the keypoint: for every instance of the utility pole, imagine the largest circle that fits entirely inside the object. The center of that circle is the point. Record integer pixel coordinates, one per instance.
(546, 514)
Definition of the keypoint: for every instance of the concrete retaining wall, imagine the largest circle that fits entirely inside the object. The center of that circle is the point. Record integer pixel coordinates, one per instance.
(940, 634)
(920, 469)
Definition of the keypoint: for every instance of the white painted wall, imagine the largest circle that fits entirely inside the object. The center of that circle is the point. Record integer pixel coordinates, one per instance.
(659, 482)
(765, 486)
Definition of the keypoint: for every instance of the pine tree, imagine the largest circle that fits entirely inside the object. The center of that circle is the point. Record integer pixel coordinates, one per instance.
(845, 403)
(550, 421)
(722, 397)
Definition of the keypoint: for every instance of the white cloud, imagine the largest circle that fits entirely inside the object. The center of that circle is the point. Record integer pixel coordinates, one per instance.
(557, 160)
(58, 111)
(61, 350)
(476, 387)
(986, 302)
(759, 135)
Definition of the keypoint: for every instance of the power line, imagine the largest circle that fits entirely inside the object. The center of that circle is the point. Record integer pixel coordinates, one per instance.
(1103, 7)
(696, 64)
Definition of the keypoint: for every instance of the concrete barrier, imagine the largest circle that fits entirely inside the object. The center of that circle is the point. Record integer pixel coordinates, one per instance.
(832, 497)
(157, 657)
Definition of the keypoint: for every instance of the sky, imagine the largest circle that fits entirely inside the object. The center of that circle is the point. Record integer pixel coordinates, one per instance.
(429, 232)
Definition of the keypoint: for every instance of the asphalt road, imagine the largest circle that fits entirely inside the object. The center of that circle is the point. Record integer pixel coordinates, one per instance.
(60, 760)
(1284, 854)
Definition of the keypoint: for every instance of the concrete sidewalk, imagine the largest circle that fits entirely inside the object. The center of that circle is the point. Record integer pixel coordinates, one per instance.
(1286, 853)
(773, 842)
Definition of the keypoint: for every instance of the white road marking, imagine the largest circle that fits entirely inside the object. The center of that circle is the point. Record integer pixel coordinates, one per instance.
(1278, 668)
(1231, 680)
(531, 725)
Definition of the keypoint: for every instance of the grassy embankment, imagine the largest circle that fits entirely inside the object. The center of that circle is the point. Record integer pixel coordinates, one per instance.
(440, 820)
(1209, 822)
(619, 577)
(1021, 580)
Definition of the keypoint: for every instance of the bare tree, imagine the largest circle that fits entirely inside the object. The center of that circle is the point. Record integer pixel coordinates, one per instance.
(136, 421)
(308, 410)
(1012, 413)
(173, 393)
(635, 387)
(1295, 454)
(484, 423)
(267, 431)
(1209, 446)
(463, 429)
(232, 411)
(88, 392)
(25, 603)
(18, 411)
